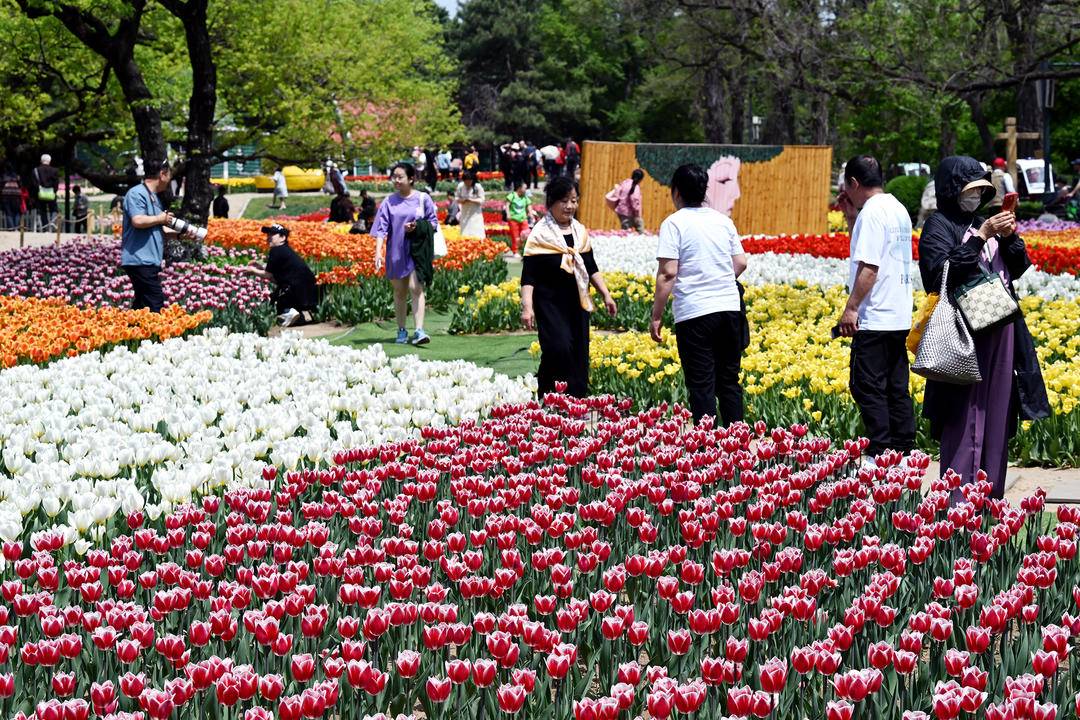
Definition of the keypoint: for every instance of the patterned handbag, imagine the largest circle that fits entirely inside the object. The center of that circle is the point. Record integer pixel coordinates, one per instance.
(986, 303)
(947, 350)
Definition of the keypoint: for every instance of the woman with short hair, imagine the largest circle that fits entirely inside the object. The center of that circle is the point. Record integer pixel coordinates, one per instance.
(700, 258)
(555, 276)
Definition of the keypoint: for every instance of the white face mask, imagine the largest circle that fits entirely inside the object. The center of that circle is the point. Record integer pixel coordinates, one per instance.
(970, 200)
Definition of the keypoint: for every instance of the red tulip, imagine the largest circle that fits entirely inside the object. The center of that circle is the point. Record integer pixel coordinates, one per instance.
(271, 687)
(438, 689)
(289, 708)
(689, 697)
(227, 690)
(302, 667)
(739, 700)
(678, 641)
(63, 684)
(955, 661)
(638, 633)
(839, 710)
(458, 670)
(1044, 663)
(525, 677)
(407, 663)
(511, 698)
(659, 704)
(557, 666)
(132, 685)
(629, 673)
(483, 672)
(102, 694)
(76, 709)
(773, 675)
(157, 704)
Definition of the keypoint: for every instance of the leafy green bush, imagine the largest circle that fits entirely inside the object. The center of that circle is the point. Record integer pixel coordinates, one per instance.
(1029, 209)
(908, 189)
(372, 298)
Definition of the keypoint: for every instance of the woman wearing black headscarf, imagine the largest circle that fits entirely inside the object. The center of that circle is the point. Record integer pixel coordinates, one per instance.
(974, 422)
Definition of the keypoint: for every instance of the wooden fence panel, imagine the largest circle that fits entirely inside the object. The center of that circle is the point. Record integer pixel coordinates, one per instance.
(783, 189)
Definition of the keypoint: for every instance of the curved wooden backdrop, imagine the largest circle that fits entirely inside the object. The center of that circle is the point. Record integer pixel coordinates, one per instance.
(788, 192)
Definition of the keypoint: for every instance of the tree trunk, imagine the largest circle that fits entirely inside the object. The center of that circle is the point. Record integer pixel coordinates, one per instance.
(1028, 118)
(118, 48)
(819, 128)
(738, 110)
(779, 126)
(144, 113)
(714, 105)
(1021, 20)
(198, 192)
(983, 126)
(947, 139)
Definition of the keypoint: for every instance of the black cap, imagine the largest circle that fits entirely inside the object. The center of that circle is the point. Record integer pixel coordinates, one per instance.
(276, 229)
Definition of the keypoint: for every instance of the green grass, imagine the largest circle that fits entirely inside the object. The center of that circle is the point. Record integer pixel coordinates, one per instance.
(296, 205)
(507, 354)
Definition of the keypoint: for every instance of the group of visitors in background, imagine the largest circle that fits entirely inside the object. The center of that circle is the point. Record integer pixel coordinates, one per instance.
(700, 258)
(33, 206)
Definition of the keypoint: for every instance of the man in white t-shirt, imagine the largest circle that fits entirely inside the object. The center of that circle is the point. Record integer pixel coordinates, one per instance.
(700, 257)
(878, 312)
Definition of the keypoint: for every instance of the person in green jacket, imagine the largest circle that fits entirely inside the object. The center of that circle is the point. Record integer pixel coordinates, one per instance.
(519, 214)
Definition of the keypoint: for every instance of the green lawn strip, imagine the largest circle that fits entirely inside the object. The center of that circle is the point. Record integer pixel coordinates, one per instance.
(507, 354)
(295, 205)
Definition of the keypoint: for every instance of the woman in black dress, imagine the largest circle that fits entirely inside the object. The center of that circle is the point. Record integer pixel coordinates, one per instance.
(555, 276)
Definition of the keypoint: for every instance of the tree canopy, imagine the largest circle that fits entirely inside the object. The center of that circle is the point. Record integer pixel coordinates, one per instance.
(96, 82)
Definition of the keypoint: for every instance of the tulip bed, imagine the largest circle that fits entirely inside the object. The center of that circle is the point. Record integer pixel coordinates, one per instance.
(151, 427)
(86, 273)
(793, 371)
(573, 560)
(35, 330)
(352, 291)
(497, 308)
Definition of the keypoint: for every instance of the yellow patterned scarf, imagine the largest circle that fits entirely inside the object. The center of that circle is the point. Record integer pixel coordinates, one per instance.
(547, 239)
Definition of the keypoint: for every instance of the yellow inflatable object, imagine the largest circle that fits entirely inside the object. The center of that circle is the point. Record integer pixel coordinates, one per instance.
(296, 179)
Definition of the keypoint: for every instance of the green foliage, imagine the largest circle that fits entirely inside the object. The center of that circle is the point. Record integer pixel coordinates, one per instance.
(548, 69)
(373, 299)
(908, 189)
(306, 75)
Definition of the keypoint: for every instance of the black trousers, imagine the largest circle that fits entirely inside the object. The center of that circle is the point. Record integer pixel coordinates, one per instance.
(879, 386)
(147, 283)
(710, 350)
(562, 328)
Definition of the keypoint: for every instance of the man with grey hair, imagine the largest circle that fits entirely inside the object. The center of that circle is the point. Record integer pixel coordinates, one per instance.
(46, 183)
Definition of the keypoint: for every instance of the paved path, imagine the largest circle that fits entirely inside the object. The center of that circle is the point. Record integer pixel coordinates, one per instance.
(11, 240)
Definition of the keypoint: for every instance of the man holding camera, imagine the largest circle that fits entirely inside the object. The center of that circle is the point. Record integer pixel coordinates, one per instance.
(143, 245)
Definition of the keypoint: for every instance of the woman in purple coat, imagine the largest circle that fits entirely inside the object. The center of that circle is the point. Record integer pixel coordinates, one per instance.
(974, 422)
(394, 220)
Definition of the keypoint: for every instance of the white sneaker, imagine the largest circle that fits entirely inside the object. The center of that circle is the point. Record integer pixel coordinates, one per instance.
(289, 317)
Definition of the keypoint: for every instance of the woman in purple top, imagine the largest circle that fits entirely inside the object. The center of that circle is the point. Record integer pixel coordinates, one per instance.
(395, 219)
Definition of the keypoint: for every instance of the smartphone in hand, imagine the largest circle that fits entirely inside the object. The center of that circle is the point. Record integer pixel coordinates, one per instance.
(1008, 203)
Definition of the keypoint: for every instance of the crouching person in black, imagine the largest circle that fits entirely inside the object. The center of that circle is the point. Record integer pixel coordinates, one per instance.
(295, 291)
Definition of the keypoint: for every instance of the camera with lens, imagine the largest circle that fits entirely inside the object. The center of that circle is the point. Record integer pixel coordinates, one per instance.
(183, 226)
